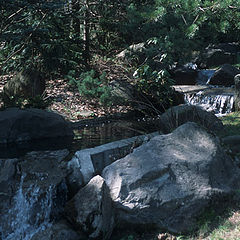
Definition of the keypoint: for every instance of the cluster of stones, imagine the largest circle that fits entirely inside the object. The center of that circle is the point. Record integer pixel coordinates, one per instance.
(165, 183)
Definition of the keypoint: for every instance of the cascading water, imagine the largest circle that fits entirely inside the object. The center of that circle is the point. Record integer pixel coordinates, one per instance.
(204, 76)
(22, 220)
(35, 193)
(219, 100)
(219, 104)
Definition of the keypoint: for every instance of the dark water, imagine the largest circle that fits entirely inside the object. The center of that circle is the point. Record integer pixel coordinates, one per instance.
(85, 137)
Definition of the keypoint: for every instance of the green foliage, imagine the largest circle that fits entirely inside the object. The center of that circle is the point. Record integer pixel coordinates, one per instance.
(156, 84)
(129, 237)
(51, 34)
(181, 27)
(38, 34)
(37, 102)
(92, 86)
(58, 36)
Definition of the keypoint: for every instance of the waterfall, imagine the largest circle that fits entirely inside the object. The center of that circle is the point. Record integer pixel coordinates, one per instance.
(219, 104)
(30, 213)
(204, 76)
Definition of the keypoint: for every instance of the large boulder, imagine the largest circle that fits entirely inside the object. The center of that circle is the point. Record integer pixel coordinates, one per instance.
(178, 115)
(33, 192)
(27, 84)
(216, 55)
(89, 162)
(184, 75)
(169, 181)
(90, 210)
(18, 125)
(224, 76)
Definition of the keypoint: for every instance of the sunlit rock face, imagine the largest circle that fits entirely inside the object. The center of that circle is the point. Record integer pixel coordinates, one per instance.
(169, 181)
(33, 193)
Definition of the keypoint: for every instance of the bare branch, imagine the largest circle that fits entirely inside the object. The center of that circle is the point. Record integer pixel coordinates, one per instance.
(184, 20)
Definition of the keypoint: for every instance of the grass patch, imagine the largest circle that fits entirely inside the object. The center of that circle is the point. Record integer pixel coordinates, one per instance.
(215, 226)
(231, 124)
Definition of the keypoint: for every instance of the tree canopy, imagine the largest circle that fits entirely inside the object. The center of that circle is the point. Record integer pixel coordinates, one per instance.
(62, 37)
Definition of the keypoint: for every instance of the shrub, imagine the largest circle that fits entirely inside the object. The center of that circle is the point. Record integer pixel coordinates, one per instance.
(155, 84)
(92, 86)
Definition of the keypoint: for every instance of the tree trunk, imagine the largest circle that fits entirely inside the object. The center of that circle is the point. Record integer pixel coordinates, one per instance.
(86, 34)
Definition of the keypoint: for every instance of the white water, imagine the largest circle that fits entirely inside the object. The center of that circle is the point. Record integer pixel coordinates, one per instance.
(21, 223)
(219, 104)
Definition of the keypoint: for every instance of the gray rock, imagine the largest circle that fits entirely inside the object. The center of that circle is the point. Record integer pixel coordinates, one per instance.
(224, 76)
(169, 181)
(58, 231)
(89, 162)
(135, 48)
(237, 92)
(81, 170)
(91, 210)
(178, 115)
(18, 125)
(8, 185)
(33, 192)
(122, 92)
(29, 83)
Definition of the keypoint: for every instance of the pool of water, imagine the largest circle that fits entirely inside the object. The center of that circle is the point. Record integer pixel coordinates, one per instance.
(85, 137)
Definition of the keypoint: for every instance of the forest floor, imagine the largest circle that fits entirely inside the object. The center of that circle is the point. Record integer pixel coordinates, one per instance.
(66, 101)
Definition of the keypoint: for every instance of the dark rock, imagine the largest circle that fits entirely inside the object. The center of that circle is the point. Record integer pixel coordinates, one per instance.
(224, 76)
(26, 84)
(58, 231)
(177, 98)
(8, 186)
(184, 75)
(18, 125)
(181, 114)
(237, 92)
(91, 211)
(233, 142)
(228, 47)
(169, 181)
(216, 55)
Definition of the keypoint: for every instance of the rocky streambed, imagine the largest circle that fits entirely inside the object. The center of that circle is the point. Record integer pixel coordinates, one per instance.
(161, 181)
(219, 100)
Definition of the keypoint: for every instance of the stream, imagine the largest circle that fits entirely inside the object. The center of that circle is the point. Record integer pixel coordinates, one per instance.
(36, 181)
(216, 99)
